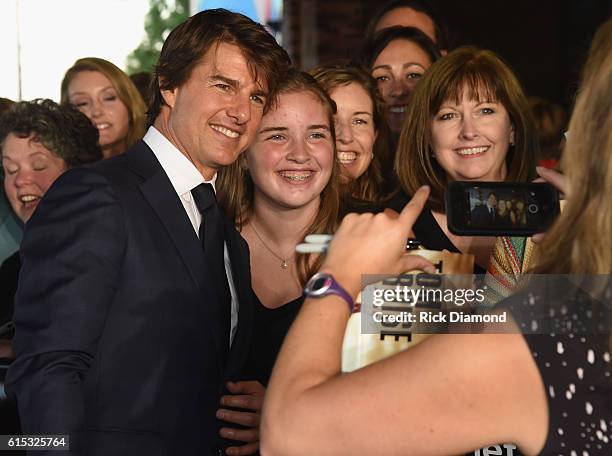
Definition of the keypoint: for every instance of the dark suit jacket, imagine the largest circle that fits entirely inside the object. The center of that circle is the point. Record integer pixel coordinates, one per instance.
(116, 339)
(481, 217)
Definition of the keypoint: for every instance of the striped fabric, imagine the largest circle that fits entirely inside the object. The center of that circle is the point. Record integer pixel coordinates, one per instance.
(511, 257)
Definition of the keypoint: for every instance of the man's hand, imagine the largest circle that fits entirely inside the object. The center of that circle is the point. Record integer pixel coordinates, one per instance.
(246, 395)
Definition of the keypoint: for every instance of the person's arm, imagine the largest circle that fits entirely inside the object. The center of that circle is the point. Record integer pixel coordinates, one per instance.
(71, 255)
(448, 395)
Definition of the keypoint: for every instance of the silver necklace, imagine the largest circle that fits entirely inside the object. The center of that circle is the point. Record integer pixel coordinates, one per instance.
(284, 261)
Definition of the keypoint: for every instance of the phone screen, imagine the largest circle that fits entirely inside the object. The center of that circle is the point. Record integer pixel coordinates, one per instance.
(490, 208)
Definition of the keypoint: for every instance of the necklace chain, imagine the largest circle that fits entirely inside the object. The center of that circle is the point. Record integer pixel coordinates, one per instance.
(284, 261)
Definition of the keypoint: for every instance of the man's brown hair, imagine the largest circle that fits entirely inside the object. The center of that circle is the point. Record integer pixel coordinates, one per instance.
(189, 41)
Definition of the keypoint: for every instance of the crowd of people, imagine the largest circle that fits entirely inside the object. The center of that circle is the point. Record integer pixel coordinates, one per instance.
(495, 212)
(157, 304)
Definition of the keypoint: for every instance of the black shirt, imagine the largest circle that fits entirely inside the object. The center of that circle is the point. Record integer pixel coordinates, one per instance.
(270, 326)
(569, 338)
(9, 277)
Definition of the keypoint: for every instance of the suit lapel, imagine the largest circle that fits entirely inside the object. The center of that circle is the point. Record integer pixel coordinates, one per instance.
(160, 194)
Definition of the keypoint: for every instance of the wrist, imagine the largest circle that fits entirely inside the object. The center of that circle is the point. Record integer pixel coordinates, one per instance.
(325, 283)
(350, 282)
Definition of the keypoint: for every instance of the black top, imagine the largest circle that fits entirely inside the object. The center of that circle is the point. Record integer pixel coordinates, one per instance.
(270, 326)
(569, 341)
(9, 276)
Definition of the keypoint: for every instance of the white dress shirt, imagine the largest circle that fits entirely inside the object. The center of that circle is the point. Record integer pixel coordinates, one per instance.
(184, 177)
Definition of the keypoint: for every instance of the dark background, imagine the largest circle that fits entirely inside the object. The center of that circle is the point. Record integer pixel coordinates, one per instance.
(544, 41)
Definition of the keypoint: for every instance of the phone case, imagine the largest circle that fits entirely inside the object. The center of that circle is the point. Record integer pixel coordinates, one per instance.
(454, 206)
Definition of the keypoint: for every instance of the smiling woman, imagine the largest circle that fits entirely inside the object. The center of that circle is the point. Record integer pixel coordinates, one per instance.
(283, 188)
(110, 99)
(468, 120)
(397, 58)
(470, 139)
(39, 140)
(361, 130)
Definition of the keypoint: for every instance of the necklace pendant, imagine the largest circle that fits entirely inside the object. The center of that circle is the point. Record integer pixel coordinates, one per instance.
(284, 264)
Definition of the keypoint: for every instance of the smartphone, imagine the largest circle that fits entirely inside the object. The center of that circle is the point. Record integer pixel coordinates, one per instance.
(500, 208)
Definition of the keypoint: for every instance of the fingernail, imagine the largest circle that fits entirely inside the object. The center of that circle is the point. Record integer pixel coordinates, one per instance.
(430, 269)
(223, 400)
(423, 188)
(227, 432)
(220, 414)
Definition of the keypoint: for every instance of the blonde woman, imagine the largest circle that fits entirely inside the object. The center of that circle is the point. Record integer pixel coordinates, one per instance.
(106, 95)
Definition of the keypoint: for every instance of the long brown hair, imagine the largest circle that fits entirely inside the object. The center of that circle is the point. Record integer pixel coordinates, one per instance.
(368, 186)
(486, 77)
(235, 187)
(126, 91)
(580, 240)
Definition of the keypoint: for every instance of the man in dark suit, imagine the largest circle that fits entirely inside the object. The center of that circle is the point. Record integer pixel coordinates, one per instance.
(133, 305)
(485, 215)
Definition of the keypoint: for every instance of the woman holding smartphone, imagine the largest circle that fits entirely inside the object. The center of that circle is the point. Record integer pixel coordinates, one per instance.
(468, 120)
(284, 187)
(548, 392)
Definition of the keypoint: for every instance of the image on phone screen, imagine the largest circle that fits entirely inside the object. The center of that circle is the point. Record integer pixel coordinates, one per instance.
(488, 208)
